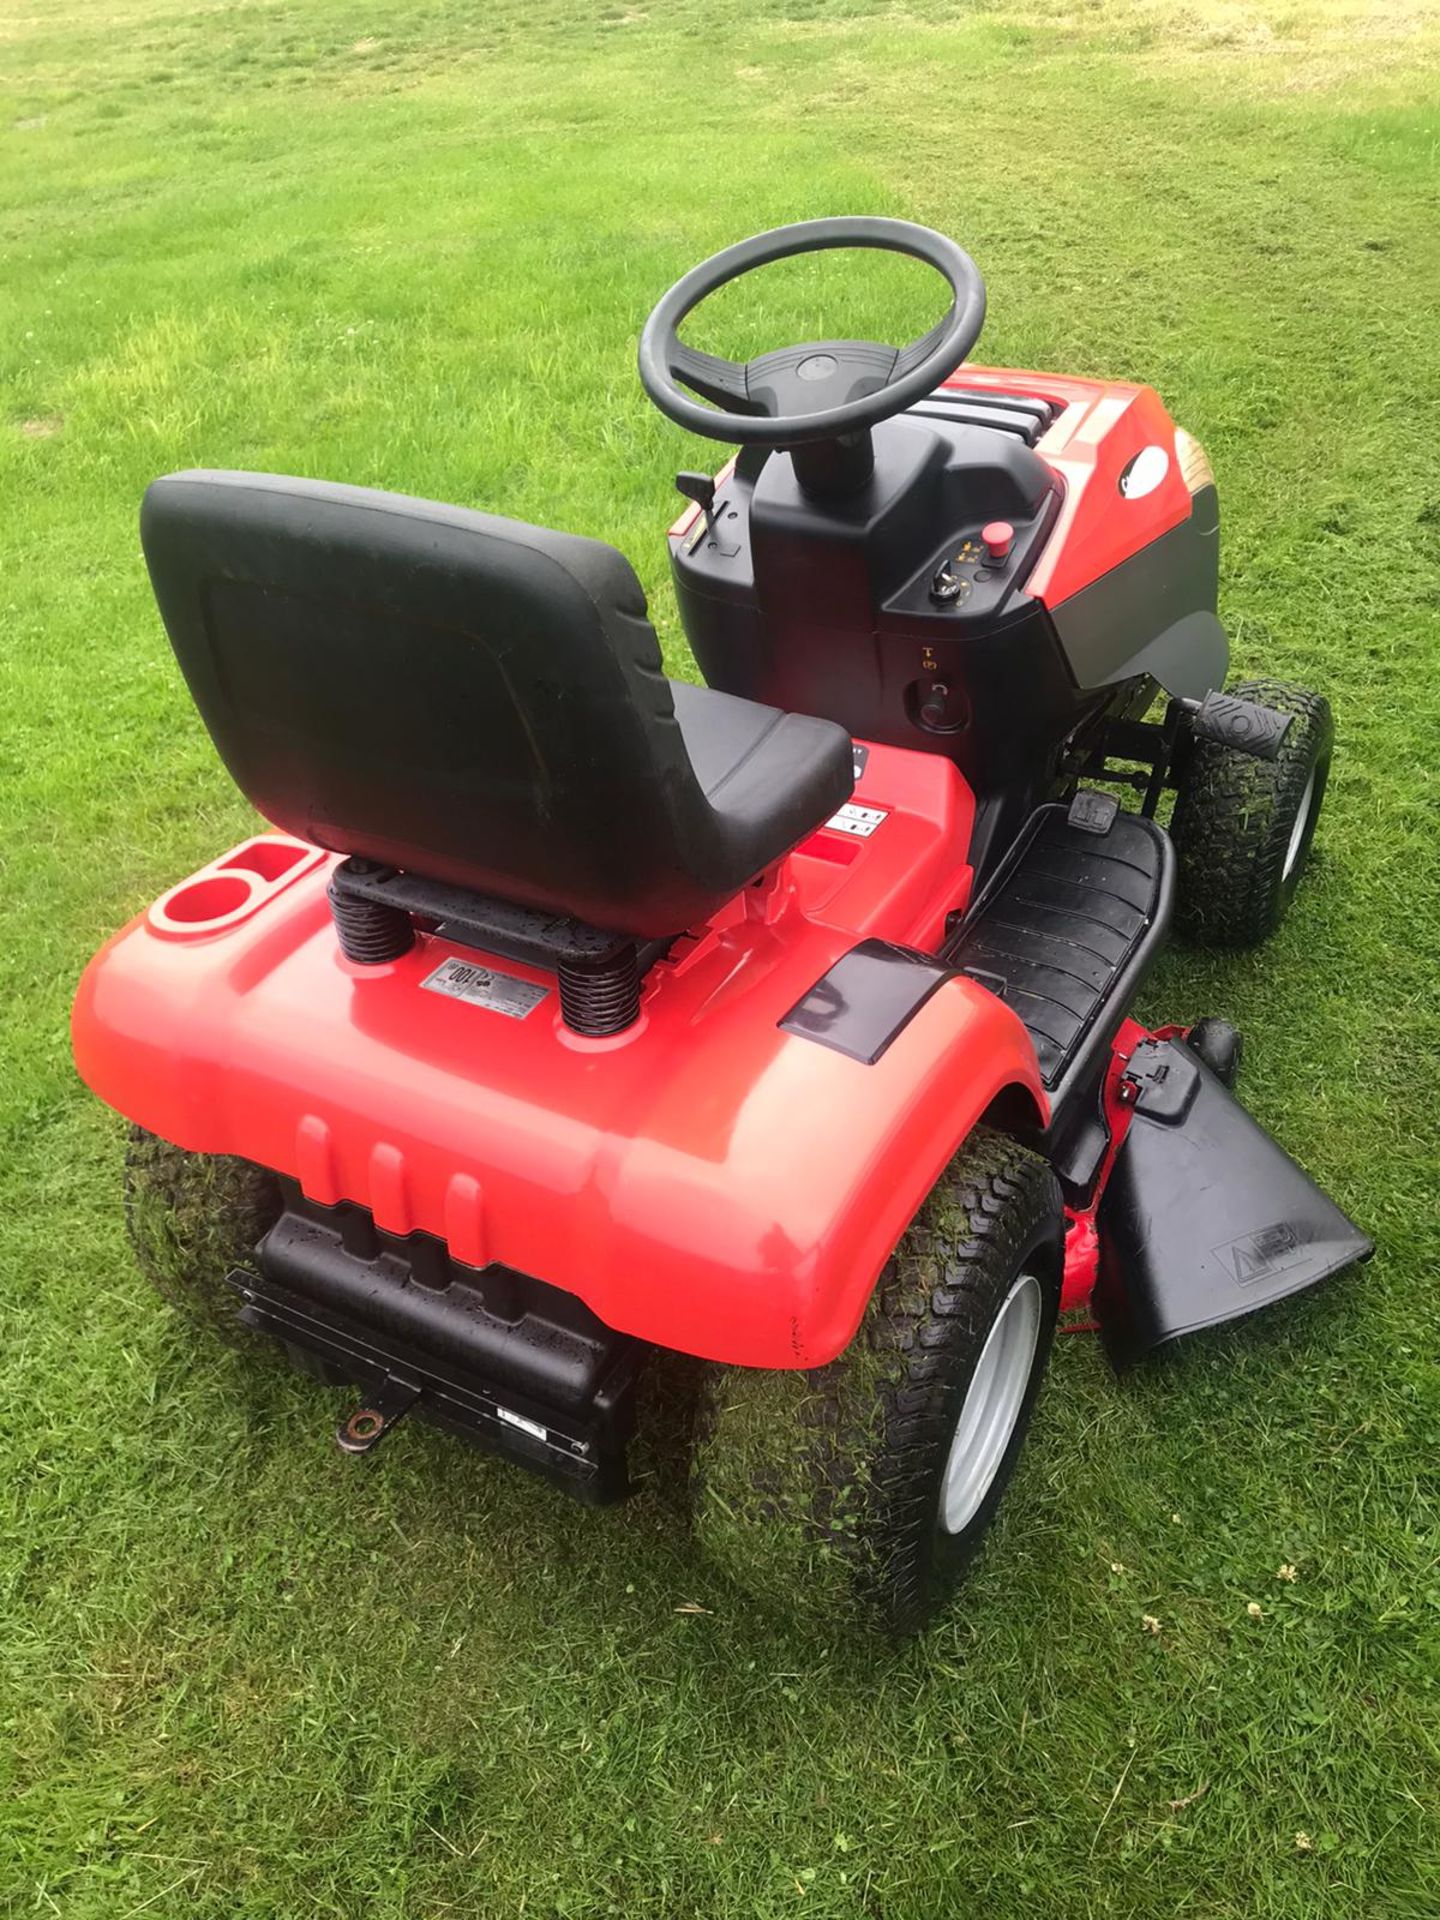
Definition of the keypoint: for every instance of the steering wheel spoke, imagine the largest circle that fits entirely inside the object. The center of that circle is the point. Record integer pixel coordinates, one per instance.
(829, 373)
(713, 377)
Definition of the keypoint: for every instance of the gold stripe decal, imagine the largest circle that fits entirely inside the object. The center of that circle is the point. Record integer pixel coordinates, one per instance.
(1195, 468)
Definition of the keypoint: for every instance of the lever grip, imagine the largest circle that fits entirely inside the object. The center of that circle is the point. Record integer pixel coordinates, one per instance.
(698, 487)
(1240, 724)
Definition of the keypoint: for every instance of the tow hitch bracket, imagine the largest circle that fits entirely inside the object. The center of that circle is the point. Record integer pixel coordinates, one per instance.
(364, 1429)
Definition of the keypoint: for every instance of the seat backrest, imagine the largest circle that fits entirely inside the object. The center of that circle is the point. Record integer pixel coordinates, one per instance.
(462, 696)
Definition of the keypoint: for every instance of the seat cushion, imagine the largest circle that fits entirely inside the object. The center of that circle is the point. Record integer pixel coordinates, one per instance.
(771, 777)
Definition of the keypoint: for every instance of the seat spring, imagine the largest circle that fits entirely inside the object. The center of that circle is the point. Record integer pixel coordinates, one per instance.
(370, 931)
(602, 999)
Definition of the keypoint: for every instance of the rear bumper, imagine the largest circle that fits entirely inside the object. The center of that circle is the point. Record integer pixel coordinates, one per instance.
(514, 1366)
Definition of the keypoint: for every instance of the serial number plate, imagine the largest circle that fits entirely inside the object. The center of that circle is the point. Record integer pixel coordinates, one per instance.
(482, 987)
(857, 820)
(532, 1427)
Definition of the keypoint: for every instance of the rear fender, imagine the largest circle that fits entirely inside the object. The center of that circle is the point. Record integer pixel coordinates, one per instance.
(845, 1170)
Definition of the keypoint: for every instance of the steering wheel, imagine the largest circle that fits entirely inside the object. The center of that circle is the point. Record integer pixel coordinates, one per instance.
(830, 388)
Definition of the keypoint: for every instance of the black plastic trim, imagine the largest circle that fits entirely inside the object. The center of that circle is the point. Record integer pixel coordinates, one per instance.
(1205, 1217)
(870, 995)
(1022, 414)
(1153, 613)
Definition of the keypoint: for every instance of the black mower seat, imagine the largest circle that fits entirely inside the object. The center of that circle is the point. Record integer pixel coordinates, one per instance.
(472, 700)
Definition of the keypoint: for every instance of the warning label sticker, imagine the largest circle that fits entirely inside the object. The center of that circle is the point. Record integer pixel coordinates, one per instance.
(482, 987)
(1260, 1255)
(853, 818)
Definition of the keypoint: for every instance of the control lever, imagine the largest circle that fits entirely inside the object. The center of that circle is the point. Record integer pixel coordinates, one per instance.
(1240, 724)
(700, 488)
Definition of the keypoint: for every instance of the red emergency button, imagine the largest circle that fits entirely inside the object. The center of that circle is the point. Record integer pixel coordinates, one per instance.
(998, 537)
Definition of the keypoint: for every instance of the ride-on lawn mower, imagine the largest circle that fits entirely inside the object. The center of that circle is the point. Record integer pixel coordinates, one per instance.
(575, 1014)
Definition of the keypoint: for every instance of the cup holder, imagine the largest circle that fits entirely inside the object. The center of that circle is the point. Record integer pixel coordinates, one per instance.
(270, 859)
(220, 896)
(231, 888)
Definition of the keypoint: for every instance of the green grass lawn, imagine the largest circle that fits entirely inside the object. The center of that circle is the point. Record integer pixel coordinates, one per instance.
(412, 246)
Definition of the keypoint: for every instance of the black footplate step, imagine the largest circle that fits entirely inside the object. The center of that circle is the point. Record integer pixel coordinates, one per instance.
(1067, 930)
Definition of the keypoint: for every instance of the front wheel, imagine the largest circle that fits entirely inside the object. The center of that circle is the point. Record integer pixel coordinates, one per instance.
(864, 1488)
(1243, 827)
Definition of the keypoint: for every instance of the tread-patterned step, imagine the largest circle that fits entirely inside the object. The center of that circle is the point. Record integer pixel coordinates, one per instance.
(1056, 936)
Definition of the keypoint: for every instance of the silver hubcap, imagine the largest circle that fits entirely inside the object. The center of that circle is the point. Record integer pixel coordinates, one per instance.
(992, 1405)
(1297, 832)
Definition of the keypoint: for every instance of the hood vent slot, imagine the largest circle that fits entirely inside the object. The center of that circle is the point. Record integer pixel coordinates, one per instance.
(1018, 413)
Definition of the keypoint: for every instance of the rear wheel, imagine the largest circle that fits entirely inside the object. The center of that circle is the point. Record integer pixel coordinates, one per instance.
(1243, 827)
(192, 1218)
(864, 1488)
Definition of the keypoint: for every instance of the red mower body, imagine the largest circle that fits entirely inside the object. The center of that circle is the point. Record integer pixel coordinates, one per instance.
(707, 1180)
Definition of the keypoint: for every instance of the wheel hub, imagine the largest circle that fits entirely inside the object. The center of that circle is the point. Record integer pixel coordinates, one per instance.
(992, 1405)
(1297, 832)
